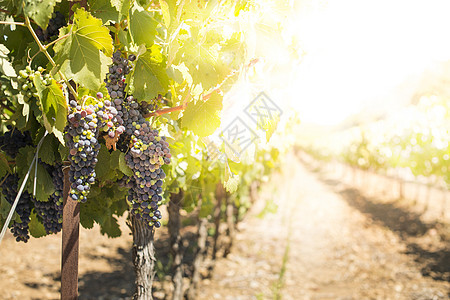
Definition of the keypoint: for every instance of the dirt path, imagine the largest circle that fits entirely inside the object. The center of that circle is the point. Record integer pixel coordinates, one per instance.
(327, 241)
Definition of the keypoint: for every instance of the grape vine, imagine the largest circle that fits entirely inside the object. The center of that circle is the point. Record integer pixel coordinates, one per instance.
(148, 151)
(55, 23)
(82, 133)
(19, 228)
(50, 212)
(13, 140)
(106, 86)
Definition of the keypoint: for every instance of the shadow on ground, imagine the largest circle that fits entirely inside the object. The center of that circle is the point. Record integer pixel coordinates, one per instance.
(118, 284)
(406, 224)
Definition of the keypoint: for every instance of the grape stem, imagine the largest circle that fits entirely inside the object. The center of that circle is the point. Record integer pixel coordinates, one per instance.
(179, 107)
(166, 111)
(50, 59)
(3, 180)
(205, 97)
(57, 40)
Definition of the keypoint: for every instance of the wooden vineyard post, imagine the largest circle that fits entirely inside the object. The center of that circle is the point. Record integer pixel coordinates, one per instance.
(70, 244)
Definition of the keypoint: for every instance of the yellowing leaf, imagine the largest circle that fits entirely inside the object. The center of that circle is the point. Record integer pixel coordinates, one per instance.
(165, 12)
(149, 77)
(203, 118)
(91, 29)
(84, 55)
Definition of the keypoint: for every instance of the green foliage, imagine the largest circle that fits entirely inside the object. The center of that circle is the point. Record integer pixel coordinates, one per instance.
(104, 10)
(49, 150)
(53, 106)
(104, 204)
(4, 166)
(203, 117)
(142, 26)
(37, 230)
(85, 54)
(40, 11)
(6, 66)
(44, 184)
(149, 77)
(181, 54)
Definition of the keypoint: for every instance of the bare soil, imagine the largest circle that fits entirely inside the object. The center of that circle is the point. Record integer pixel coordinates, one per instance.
(328, 239)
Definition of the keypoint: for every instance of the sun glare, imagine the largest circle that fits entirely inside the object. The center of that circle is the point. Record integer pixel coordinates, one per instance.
(357, 52)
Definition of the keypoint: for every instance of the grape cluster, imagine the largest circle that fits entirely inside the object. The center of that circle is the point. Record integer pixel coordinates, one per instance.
(115, 84)
(23, 209)
(148, 152)
(56, 22)
(51, 211)
(148, 107)
(82, 134)
(26, 84)
(13, 140)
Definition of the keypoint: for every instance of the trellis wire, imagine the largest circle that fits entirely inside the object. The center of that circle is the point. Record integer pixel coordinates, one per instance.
(19, 194)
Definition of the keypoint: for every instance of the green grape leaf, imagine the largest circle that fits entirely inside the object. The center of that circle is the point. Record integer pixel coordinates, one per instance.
(48, 150)
(4, 166)
(149, 77)
(40, 11)
(235, 167)
(44, 183)
(84, 54)
(270, 126)
(203, 117)
(53, 105)
(5, 207)
(101, 205)
(122, 6)
(142, 26)
(231, 181)
(104, 10)
(180, 74)
(63, 152)
(123, 167)
(86, 217)
(114, 159)
(203, 61)
(21, 42)
(103, 166)
(110, 227)
(91, 32)
(37, 229)
(194, 166)
(10, 5)
(5, 65)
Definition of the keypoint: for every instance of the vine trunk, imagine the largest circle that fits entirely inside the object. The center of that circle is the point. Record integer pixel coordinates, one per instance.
(143, 259)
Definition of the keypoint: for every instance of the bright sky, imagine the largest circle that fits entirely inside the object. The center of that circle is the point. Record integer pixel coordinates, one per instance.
(358, 50)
